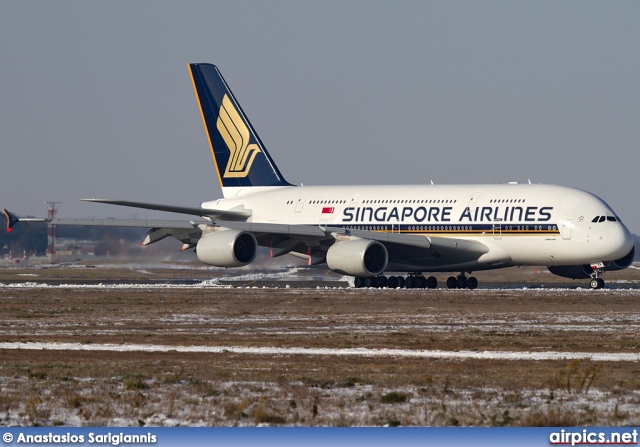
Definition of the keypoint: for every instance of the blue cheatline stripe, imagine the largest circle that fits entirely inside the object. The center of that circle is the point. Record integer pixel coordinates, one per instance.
(458, 229)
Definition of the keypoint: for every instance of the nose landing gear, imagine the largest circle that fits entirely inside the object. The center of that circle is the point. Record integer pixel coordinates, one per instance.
(597, 282)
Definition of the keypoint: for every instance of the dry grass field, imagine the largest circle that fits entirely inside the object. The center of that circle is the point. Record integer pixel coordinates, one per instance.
(84, 385)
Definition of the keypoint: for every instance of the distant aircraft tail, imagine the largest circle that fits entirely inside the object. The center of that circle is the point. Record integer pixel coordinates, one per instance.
(242, 161)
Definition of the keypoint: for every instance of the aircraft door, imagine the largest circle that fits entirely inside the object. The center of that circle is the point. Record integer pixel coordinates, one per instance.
(300, 203)
(497, 229)
(473, 201)
(566, 229)
(354, 199)
(395, 225)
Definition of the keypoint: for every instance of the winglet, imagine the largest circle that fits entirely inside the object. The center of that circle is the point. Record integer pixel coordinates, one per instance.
(12, 219)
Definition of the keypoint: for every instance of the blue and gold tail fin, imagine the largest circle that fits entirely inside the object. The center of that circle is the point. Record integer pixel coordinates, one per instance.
(240, 158)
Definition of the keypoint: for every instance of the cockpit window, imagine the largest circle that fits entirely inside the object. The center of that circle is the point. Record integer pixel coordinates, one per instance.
(599, 219)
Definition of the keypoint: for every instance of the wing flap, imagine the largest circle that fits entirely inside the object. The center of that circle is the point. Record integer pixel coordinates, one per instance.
(272, 228)
(389, 238)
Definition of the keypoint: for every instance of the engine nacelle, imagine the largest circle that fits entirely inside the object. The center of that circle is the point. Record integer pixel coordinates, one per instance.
(584, 271)
(623, 263)
(357, 257)
(227, 248)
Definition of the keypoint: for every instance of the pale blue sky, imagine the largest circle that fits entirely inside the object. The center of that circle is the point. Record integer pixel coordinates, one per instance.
(96, 100)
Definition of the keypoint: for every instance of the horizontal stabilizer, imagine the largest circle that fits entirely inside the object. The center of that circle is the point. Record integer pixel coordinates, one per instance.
(12, 219)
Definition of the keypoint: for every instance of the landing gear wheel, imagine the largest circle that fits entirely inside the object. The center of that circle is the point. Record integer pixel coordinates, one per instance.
(393, 282)
(601, 282)
(410, 282)
(421, 282)
(462, 282)
(452, 282)
(358, 282)
(472, 283)
(383, 280)
(400, 282)
(369, 282)
(596, 283)
(432, 282)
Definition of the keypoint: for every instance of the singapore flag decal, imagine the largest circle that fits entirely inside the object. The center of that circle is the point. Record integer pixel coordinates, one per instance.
(327, 210)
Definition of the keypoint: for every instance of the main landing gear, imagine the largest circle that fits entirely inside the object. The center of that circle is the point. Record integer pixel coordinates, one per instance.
(413, 281)
(462, 282)
(417, 281)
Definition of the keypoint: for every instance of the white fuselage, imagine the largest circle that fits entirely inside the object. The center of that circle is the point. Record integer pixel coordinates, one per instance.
(521, 224)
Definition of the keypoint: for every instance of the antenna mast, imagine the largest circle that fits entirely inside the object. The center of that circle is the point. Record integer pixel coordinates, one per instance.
(51, 232)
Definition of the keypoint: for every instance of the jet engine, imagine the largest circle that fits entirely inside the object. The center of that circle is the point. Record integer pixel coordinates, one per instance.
(227, 248)
(357, 257)
(584, 271)
(624, 262)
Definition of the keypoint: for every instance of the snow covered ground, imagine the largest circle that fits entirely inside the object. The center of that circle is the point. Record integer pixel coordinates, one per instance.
(360, 352)
(208, 354)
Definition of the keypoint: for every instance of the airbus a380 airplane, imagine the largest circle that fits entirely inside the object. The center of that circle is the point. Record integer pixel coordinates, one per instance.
(365, 231)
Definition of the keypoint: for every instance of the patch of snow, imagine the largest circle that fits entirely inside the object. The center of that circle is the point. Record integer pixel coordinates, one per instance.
(359, 352)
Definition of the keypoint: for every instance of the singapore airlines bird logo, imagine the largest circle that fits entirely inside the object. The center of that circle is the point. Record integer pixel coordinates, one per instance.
(236, 135)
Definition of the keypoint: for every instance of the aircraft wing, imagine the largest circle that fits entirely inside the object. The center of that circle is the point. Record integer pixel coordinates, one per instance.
(283, 238)
(202, 212)
(139, 223)
(277, 229)
(401, 248)
(408, 248)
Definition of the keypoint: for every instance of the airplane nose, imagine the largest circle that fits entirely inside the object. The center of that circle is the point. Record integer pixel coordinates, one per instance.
(621, 242)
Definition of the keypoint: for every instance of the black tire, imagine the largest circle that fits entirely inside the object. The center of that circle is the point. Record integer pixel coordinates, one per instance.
(393, 282)
(472, 283)
(452, 282)
(421, 282)
(432, 282)
(462, 282)
(401, 282)
(358, 282)
(384, 282)
(410, 282)
(368, 282)
(594, 283)
(600, 283)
